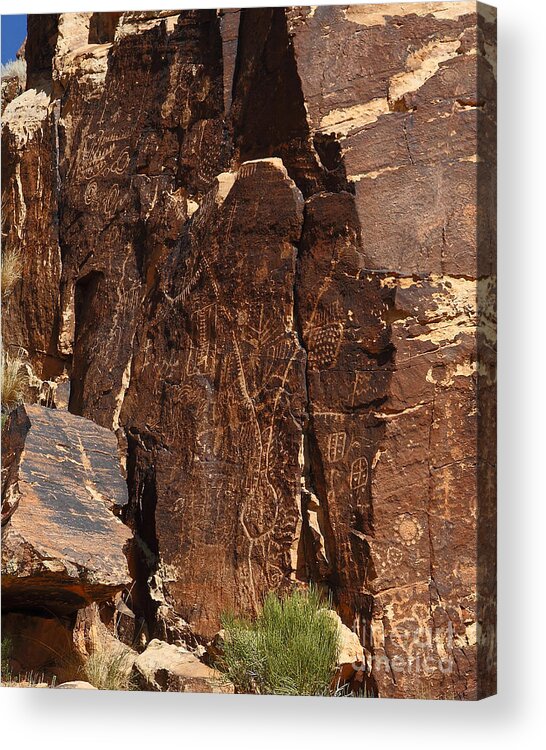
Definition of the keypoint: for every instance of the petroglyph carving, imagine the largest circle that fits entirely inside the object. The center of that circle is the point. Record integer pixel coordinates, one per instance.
(202, 356)
(409, 530)
(90, 197)
(359, 472)
(112, 201)
(336, 446)
(121, 163)
(247, 170)
(394, 556)
(324, 344)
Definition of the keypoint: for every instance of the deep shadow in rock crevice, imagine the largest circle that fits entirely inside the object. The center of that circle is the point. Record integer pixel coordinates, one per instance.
(268, 116)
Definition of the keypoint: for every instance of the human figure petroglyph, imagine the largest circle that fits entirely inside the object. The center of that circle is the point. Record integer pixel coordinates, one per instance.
(359, 472)
(202, 354)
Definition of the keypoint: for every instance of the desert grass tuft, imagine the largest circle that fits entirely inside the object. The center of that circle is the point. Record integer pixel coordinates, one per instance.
(107, 669)
(11, 267)
(14, 68)
(291, 647)
(5, 652)
(14, 380)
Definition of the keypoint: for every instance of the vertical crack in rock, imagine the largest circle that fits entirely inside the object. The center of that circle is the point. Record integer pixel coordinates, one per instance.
(268, 112)
(314, 544)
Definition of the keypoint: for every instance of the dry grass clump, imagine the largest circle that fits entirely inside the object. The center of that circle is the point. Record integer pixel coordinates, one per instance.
(14, 380)
(14, 68)
(11, 268)
(291, 648)
(5, 655)
(109, 669)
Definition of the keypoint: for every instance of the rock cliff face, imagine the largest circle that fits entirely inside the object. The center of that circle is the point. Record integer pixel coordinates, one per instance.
(261, 244)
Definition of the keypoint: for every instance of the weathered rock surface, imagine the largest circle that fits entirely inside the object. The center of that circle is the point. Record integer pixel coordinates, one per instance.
(164, 667)
(351, 662)
(63, 547)
(14, 433)
(303, 390)
(231, 392)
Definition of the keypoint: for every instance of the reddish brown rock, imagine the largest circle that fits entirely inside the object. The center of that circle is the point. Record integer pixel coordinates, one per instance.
(41, 644)
(14, 433)
(414, 116)
(63, 547)
(30, 317)
(217, 469)
(301, 391)
(391, 296)
(131, 155)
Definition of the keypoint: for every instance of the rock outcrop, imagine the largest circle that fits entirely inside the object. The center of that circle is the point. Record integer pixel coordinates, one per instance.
(62, 546)
(264, 254)
(163, 667)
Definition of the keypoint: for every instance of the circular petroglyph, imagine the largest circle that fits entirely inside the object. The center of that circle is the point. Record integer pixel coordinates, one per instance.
(408, 529)
(449, 75)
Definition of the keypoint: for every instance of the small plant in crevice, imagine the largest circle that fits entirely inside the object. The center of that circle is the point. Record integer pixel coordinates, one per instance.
(291, 647)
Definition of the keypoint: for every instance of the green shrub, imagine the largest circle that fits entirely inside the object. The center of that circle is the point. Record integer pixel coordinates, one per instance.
(291, 648)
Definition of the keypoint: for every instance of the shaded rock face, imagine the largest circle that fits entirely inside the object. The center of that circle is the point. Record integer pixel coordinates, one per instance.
(62, 546)
(266, 247)
(42, 645)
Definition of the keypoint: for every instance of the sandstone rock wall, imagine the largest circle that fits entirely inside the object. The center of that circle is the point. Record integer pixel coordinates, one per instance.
(261, 244)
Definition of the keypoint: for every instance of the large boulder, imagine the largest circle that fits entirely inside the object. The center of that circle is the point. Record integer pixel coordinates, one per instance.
(350, 659)
(63, 547)
(167, 668)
